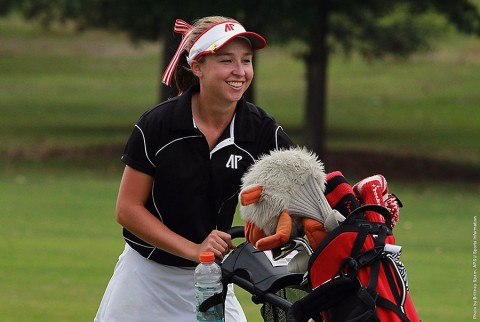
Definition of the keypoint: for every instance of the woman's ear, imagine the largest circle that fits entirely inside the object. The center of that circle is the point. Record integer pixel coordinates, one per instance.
(196, 69)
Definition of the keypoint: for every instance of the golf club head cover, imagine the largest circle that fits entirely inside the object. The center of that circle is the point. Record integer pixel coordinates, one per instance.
(253, 233)
(393, 204)
(268, 185)
(314, 231)
(251, 195)
(372, 190)
(309, 201)
(339, 193)
(281, 236)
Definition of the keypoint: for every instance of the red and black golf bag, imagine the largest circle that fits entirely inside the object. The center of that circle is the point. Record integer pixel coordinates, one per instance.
(356, 275)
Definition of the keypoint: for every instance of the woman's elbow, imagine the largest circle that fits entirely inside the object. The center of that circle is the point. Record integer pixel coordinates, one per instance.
(121, 215)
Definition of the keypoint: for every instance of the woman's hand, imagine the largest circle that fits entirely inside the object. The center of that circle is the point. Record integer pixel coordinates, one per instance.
(218, 242)
(132, 214)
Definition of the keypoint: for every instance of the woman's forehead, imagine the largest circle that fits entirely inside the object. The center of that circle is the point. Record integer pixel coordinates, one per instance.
(236, 45)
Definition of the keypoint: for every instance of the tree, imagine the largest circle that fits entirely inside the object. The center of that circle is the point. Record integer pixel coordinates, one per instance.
(373, 28)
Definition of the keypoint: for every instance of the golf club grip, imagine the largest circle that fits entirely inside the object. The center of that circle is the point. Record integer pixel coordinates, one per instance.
(271, 298)
(236, 232)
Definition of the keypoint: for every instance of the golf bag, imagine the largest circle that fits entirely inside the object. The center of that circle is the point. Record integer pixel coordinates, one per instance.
(356, 275)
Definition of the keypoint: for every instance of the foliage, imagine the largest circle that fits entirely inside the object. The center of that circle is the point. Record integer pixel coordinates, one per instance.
(374, 28)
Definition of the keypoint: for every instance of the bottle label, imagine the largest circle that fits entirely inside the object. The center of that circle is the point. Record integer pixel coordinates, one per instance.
(213, 314)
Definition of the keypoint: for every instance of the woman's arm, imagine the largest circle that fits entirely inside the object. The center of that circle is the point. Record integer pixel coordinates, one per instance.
(131, 213)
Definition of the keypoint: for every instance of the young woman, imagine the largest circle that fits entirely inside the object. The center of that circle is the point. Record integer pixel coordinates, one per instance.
(184, 162)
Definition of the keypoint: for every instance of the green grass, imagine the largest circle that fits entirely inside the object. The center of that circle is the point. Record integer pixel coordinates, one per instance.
(84, 88)
(62, 94)
(397, 103)
(60, 243)
(88, 88)
(436, 232)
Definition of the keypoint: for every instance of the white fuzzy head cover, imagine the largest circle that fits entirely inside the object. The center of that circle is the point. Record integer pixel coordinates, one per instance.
(280, 174)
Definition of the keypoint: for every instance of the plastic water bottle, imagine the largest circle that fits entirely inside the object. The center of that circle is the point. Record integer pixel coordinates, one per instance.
(208, 282)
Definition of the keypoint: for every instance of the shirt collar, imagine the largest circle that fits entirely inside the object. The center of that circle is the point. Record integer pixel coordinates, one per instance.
(182, 114)
(183, 119)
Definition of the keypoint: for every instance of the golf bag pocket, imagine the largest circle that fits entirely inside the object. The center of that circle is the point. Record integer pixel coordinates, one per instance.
(356, 275)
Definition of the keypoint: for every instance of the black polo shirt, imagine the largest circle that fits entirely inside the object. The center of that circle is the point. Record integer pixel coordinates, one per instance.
(195, 190)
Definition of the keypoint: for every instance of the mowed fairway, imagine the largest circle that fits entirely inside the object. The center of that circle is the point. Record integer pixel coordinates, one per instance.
(60, 243)
(68, 102)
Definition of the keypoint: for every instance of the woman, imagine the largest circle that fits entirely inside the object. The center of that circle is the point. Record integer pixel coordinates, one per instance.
(184, 163)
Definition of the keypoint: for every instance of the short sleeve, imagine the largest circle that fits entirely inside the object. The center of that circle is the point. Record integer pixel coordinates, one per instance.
(139, 152)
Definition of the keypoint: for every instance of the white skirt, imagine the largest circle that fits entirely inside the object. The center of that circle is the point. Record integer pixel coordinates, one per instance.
(145, 291)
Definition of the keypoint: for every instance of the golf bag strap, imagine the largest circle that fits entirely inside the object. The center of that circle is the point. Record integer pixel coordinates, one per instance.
(372, 285)
(379, 246)
(383, 302)
(320, 299)
(368, 257)
(357, 245)
(391, 282)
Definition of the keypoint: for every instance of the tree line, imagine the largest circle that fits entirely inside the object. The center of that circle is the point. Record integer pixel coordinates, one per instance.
(375, 29)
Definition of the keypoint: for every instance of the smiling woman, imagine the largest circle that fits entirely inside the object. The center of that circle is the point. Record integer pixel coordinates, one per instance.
(184, 162)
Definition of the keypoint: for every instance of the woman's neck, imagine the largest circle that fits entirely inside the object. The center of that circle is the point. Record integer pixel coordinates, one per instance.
(212, 113)
(210, 118)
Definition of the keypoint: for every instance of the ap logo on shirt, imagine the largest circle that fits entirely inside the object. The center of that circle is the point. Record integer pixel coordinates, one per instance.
(233, 161)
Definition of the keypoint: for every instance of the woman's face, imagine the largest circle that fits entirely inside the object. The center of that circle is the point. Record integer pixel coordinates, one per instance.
(226, 75)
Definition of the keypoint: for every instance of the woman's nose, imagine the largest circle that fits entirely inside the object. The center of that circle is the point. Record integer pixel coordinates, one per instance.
(239, 69)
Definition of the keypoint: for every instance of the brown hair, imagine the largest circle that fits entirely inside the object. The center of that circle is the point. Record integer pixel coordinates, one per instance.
(183, 76)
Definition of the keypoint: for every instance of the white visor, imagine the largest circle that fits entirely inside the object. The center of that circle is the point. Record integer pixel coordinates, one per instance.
(218, 35)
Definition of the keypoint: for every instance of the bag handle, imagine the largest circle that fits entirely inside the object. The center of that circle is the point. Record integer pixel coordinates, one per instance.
(371, 207)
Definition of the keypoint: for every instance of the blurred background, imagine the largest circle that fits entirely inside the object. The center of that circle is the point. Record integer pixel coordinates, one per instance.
(371, 86)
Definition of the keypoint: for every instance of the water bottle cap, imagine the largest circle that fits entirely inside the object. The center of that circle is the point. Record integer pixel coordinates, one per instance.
(206, 257)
